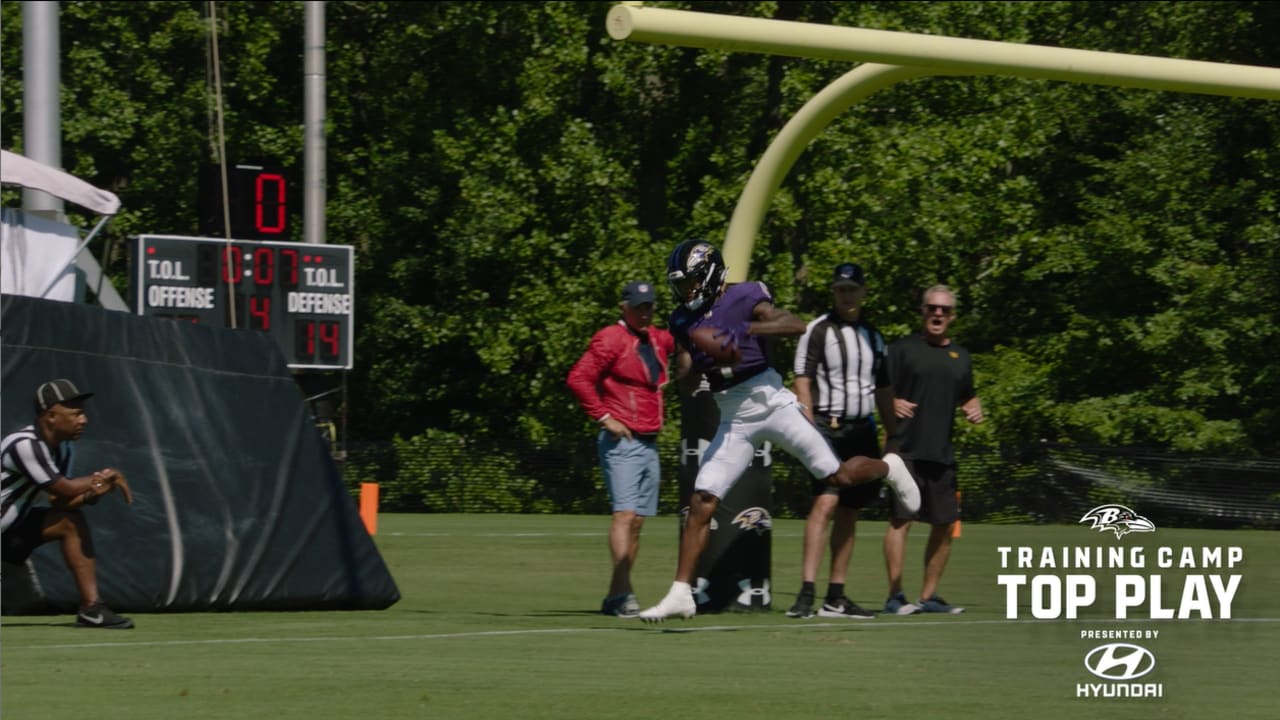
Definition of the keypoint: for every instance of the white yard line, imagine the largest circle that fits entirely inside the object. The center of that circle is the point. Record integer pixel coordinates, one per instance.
(671, 627)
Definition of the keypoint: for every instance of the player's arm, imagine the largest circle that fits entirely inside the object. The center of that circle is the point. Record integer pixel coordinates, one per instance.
(903, 409)
(805, 365)
(972, 409)
(585, 376)
(885, 409)
(803, 387)
(686, 379)
(70, 493)
(769, 319)
(684, 363)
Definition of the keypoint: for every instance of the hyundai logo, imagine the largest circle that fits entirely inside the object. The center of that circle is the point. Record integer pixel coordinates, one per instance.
(1119, 661)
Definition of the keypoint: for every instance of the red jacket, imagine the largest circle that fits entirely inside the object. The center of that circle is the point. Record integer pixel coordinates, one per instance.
(612, 379)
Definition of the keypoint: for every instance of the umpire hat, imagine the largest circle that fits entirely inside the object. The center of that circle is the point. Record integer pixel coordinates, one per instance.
(58, 391)
(848, 274)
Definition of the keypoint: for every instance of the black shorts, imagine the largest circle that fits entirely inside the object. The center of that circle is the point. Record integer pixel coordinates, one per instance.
(937, 482)
(850, 439)
(20, 540)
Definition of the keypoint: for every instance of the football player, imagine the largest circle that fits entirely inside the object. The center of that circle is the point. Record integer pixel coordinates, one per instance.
(754, 405)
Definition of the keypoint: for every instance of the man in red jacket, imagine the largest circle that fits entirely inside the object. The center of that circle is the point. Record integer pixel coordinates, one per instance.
(618, 382)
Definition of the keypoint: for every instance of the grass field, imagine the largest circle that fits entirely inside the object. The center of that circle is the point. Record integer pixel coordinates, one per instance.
(497, 620)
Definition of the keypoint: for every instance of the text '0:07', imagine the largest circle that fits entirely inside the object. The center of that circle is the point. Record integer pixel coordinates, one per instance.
(262, 266)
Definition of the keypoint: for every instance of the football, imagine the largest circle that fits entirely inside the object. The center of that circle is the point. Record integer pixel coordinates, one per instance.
(716, 344)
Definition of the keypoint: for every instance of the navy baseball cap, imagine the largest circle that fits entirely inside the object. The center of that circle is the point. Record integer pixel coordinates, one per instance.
(58, 391)
(638, 293)
(848, 274)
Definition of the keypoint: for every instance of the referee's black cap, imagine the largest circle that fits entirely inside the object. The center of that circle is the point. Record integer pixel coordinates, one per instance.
(58, 391)
(848, 274)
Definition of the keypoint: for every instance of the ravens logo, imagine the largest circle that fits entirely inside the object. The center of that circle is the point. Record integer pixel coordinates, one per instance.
(1117, 518)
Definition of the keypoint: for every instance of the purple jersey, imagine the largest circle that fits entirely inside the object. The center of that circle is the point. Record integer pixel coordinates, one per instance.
(731, 311)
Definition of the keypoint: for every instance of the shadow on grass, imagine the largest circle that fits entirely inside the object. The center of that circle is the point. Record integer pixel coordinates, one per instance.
(47, 623)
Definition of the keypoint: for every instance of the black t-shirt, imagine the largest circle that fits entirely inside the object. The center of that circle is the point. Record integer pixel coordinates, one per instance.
(937, 380)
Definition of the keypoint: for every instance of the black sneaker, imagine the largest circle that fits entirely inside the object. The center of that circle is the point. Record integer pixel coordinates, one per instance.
(623, 606)
(936, 604)
(897, 605)
(101, 616)
(803, 607)
(844, 608)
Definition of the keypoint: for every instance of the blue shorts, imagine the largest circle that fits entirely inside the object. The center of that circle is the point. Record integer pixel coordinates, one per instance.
(631, 472)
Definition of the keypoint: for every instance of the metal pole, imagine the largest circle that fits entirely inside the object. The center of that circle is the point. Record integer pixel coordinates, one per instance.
(939, 53)
(313, 228)
(42, 118)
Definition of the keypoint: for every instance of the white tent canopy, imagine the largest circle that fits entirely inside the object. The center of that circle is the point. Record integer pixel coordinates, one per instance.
(35, 259)
(18, 170)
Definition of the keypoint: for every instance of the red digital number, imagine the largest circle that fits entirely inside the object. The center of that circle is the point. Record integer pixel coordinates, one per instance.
(260, 312)
(264, 269)
(289, 268)
(310, 334)
(269, 203)
(329, 344)
(304, 340)
(232, 264)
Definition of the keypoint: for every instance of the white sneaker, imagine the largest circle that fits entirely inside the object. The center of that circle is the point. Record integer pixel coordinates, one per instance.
(904, 485)
(679, 601)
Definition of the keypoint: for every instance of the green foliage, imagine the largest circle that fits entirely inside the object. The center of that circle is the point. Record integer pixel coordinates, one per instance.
(444, 472)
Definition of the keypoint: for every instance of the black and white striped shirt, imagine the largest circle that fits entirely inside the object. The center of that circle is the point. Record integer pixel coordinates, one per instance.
(29, 466)
(845, 361)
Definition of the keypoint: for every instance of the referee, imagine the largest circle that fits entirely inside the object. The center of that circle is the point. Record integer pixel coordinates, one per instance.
(35, 461)
(841, 380)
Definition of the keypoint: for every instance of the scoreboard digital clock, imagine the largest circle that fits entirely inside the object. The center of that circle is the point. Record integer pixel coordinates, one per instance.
(258, 202)
(302, 294)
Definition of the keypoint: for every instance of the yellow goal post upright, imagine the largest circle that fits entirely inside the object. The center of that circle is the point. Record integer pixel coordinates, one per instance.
(889, 57)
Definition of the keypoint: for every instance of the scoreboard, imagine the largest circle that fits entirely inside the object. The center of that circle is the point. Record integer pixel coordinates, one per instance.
(301, 294)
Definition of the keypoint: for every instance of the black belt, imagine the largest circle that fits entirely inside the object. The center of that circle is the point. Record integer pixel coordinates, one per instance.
(726, 382)
(646, 437)
(836, 422)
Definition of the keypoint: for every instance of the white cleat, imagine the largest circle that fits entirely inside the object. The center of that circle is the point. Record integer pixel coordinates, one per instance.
(904, 485)
(679, 601)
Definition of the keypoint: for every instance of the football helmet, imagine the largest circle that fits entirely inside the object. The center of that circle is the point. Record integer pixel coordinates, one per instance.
(695, 272)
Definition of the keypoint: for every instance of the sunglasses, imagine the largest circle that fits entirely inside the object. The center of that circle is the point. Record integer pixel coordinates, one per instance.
(930, 309)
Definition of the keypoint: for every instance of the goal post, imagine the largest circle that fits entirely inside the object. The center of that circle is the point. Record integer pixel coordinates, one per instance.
(901, 56)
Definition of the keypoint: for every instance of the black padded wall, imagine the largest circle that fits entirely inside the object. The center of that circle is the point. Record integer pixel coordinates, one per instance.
(238, 504)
